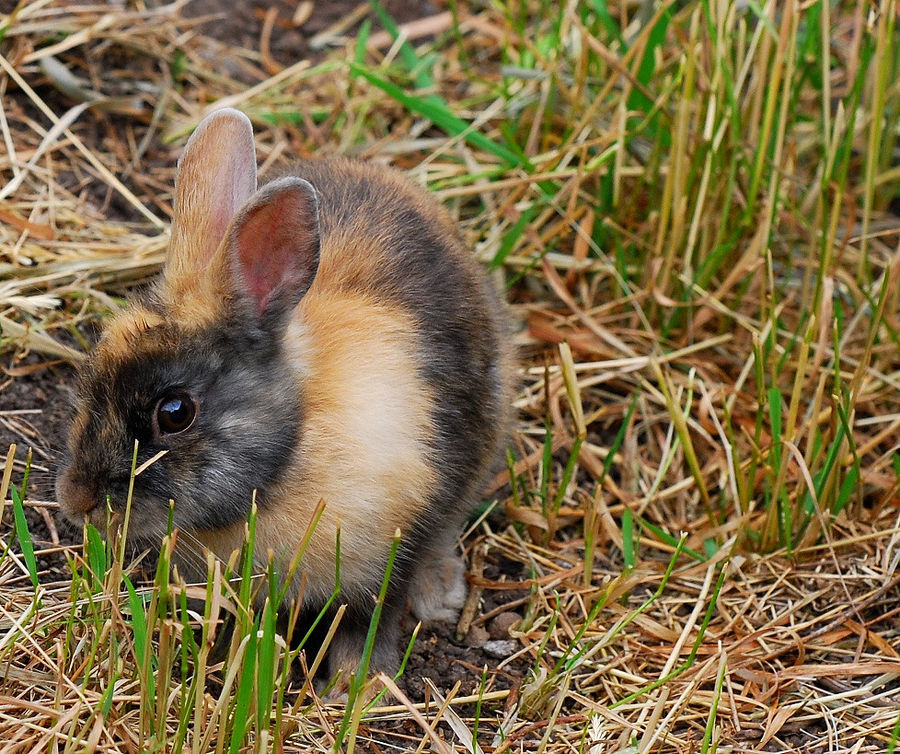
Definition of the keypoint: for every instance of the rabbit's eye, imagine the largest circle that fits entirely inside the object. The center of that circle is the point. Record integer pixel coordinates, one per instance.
(175, 413)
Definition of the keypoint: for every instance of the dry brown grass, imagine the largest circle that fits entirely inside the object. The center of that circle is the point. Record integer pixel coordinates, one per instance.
(760, 634)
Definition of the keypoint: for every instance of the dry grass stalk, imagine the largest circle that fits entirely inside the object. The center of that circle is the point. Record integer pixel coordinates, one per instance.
(712, 403)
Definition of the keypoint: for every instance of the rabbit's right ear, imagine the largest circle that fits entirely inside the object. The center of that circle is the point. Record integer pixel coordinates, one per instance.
(216, 176)
(273, 247)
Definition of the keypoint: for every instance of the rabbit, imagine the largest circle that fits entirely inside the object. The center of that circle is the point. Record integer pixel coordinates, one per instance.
(327, 337)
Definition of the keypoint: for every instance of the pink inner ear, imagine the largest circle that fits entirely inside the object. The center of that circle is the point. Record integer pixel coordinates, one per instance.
(277, 245)
(264, 253)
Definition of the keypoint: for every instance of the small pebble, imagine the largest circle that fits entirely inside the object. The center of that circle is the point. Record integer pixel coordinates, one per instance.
(477, 636)
(500, 648)
(499, 627)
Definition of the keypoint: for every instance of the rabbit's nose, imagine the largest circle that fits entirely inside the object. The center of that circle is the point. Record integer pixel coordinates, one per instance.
(76, 499)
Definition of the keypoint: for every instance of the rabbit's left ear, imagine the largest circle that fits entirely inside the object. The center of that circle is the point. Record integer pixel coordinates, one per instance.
(273, 247)
(216, 176)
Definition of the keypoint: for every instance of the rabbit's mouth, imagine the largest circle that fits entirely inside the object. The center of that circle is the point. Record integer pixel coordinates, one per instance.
(82, 501)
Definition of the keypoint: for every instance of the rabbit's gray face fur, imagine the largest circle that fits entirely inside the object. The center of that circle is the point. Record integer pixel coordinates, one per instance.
(246, 425)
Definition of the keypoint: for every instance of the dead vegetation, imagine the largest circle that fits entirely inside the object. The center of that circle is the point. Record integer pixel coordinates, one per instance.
(692, 206)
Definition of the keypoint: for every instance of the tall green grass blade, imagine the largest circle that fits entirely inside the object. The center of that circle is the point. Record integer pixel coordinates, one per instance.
(646, 68)
(245, 595)
(568, 473)
(23, 535)
(783, 510)
(670, 540)
(142, 647)
(711, 718)
(822, 477)
(601, 8)
(243, 700)
(107, 699)
(441, 115)
(616, 445)
(416, 66)
(362, 40)
(97, 557)
(266, 665)
(478, 702)
(355, 697)
(511, 237)
(407, 654)
(851, 478)
(334, 594)
(628, 541)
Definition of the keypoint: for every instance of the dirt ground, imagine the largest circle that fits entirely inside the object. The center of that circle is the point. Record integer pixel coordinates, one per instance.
(240, 24)
(36, 395)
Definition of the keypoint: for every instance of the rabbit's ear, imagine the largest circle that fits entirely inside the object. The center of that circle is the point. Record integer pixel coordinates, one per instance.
(216, 176)
(273, 245)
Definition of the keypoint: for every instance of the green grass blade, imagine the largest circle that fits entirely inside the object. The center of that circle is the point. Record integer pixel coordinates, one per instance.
(440, 114)
(243, 700)
(628, 540)
(416, 66)
(266, 667)
(142, 648)
(24, 536)
(355, 705)
(664, 536)
(512, 236)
